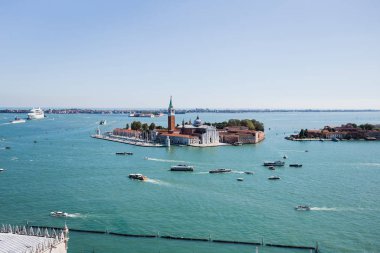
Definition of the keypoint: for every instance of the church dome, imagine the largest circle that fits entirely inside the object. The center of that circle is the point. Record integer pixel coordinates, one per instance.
(197, 122)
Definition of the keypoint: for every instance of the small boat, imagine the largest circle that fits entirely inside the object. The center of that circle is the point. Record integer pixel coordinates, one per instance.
(7, 147)
(306, 151)
(238, 143)
(240, 179)
(58, 214)
(297, 165)
(124, 153)
(1, 170)
(138, 177)
(271, 167)
(370, 138)
(302, 208)
(17, 120)
(182, 167)
(285, 157)
(219, 171)
(248, 172)
(276, 163)
(335, 139)
(274, 178)
(103, 122)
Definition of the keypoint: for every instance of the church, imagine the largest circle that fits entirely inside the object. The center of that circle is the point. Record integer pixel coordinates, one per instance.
(190, 134)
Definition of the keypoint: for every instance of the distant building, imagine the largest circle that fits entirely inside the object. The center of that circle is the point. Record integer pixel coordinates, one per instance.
(26, 239)
(241, 135)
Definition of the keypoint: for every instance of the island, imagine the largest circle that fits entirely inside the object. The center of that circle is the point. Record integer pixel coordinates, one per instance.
(349, 131)
(192, 133)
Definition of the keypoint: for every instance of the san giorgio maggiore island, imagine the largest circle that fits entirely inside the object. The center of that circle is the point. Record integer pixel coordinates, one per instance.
(196, 134)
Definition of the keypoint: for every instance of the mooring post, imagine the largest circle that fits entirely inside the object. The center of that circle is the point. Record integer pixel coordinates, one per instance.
(257, 249)
(209, 237)
(262, 241)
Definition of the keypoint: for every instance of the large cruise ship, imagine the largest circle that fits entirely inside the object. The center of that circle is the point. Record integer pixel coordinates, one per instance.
(36, 113)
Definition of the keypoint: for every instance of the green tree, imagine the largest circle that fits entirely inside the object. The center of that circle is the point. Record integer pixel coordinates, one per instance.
(136, 125)
(302, 134)
(127, 126)
(145, 127)
(233, 122)
(259, 126)
(248, 123)
(152, 126)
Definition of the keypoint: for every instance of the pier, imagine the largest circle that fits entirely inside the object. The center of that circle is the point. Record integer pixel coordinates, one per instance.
(136, 142)
(311, 249)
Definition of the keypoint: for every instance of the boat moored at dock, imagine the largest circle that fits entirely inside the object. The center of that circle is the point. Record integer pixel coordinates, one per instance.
(182, 167)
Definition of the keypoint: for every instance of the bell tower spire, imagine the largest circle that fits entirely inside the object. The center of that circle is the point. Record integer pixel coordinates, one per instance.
(171, 116)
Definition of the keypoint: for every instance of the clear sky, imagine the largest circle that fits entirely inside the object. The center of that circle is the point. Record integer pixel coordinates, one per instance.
(215, 54)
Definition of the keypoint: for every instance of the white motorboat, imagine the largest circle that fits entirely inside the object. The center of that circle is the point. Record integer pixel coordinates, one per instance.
(1, 169)
(36, 113)
(17, 120)
(182, 167)
(138, 177)
(59, 214)
(302, 208)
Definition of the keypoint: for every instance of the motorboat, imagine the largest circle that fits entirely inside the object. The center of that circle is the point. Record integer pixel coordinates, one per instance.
(36, 113)
(219, 171)
(276, 163)
(248, 172)
(285, 157)
(238, 143)
(297, 165)
(182, 167)
(17, 120)
(59, 214)
(103, 122)
(274, 178)
(138, 177)
(240, 179)
(124, 153)
(302, 208)
(271, 168)
(1, 169)
(7, 147)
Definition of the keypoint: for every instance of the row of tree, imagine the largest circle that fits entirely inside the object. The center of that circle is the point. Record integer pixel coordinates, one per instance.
(137, 125)
(252, 124)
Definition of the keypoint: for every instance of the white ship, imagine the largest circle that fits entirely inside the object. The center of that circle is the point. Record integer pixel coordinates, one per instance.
(36, 113)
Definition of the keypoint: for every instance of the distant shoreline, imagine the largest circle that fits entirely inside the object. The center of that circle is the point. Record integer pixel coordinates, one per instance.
(179, 111)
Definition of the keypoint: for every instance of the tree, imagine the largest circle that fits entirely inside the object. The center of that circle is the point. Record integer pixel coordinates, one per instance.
(145, 127)
(248, 123)
(152, 126)
(136, 125)
(306, 133)
(259, 126)
(301, 134)
(233, 122)
(127, 126)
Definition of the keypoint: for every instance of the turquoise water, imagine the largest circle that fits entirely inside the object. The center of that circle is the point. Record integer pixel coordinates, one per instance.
(67, 170)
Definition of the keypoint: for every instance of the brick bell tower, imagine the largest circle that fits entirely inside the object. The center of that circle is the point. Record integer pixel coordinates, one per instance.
(171, 117)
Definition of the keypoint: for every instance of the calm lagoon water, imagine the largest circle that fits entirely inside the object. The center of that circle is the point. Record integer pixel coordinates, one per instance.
(67, 170)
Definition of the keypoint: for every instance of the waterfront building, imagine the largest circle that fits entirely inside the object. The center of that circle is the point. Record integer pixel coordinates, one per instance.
(25, 239)
(240, 134)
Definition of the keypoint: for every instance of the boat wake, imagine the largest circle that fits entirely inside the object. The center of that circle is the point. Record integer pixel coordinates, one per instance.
(323, 209)
(75, 215)
(370, 164)
(164, 161)
(156, 181)
(14, 158)
(293, 150)
(3, 124)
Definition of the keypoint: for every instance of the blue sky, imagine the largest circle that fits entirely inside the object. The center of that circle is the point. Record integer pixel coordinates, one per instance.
(215, 54)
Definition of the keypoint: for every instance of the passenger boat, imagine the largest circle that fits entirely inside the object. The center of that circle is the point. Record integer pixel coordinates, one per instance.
(124, 153)
(138, 177)
(36, 113)
(276, 163)
(182, 167)
(295, 165)
(219, 171)
(59, 214)
(274, 178)
(240, 179)
(17, 120)
(302, 208)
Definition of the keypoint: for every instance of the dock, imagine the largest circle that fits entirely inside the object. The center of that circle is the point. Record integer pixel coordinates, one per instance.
(130, 141)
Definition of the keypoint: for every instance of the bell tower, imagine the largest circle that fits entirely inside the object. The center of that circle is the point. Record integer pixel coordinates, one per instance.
(171, 117)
